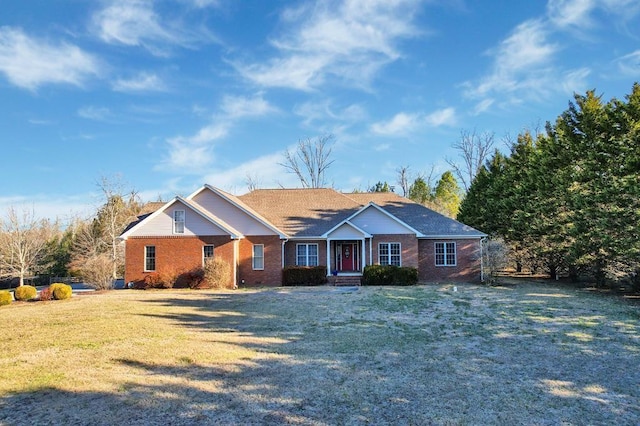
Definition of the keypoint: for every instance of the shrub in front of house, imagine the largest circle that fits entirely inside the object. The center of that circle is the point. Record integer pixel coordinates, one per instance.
(61, 291)
(25, 292)
(156, 280)
(389, 275)
(304, 275)
(217, 274)
(5, 298)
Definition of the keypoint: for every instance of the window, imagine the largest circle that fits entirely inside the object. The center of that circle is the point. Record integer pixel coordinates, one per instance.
(389, 254)
(207, 252)
(178, 222)
(149, 258)
(258, 256)
(307, 255)
(445, 254)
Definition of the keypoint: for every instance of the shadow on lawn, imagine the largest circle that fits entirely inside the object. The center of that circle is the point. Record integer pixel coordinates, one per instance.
(350, 368)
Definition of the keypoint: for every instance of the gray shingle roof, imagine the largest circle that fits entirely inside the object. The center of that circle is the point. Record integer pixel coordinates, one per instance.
(312, 212)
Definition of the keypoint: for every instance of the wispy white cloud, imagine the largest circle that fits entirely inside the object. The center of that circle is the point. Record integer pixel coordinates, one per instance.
(324, 111)
(30, 63)
(404, 123)
(630, 64)
(579, 14)
(568, 13)
(143, 82)
(95, 113)
(266, 170)
(192, 154)
(136, 23)
(523, 68)
(348, 41)
(60, 207)
(442, 117)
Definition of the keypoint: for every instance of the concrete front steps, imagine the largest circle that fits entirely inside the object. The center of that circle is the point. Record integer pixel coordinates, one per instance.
(345, 280)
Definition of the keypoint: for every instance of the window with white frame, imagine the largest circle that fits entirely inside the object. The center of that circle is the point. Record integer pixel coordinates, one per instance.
(307, 255)
(207, 252)
(258, 257)
(178, 221)
(149, 258)
(445, 254)
(389, 254)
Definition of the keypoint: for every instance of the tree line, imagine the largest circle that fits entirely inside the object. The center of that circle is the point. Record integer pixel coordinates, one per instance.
(87, 248)
(567, 200)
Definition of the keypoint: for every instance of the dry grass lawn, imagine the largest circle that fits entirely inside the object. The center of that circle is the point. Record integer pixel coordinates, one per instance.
(524, 354)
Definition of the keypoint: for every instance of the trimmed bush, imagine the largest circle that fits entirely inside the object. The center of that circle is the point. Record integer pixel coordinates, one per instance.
(304, 275)
(46, 294)
(61, 291)
(389, 275)
(217, 274)
(25, 292)
(5, 298)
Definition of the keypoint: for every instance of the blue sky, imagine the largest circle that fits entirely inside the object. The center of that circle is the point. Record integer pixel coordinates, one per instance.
(169, 95)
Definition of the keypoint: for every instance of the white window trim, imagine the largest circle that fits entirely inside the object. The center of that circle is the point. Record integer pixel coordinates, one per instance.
(389, 255)
(307, 253)
(146, 257)
(253, 257)
(184, 221)
(455, 254)
(213, 254)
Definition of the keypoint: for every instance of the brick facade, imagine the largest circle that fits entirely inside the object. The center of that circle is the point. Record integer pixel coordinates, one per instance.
(408, 248)
(173, 254)
(467, 263)
(272, 272)
(290, 251)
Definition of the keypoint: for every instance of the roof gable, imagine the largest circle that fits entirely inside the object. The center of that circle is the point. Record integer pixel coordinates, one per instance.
(197, 222)
(375, 220)
(233, 211)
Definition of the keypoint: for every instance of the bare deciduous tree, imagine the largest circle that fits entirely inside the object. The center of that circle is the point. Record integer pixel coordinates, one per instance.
(252, 182)
(474, 149)
(100, 237)
(403, 179)
(23, 243)
(310, 161)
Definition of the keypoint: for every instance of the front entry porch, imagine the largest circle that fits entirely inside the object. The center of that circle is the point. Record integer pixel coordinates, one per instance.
(346, 261)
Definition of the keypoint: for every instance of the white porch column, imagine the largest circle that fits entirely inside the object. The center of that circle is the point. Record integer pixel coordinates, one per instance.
(363, 257)
(328, 257)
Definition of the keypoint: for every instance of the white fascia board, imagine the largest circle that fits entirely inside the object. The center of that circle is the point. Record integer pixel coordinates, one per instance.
(392, 217)
(219, 223)
(346, 222)
(253, 214)
(168, 204)
(453, 237)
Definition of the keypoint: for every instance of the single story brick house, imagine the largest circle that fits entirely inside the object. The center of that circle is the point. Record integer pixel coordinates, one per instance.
(263, 231)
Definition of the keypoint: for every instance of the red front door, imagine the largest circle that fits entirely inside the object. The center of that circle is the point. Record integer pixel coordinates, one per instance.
(347, 257)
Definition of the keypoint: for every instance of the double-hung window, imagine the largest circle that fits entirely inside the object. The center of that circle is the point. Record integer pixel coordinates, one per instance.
(445, 254)
(149, 258)
(307, 255)
(178, 221)
(389, 254)
(207, 252)
(258, 257)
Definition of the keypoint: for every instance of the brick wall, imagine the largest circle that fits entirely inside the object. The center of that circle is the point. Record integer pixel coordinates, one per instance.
(173, 254)
(290, 251)
(408, 247)
(272, 273)
(467, 263)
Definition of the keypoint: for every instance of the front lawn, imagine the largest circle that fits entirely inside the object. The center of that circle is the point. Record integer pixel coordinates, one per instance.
(524, 354)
